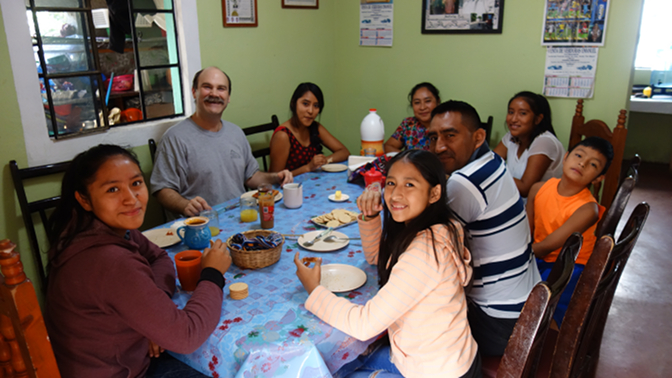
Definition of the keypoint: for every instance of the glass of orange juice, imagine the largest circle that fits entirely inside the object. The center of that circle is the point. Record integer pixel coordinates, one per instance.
(248, 209)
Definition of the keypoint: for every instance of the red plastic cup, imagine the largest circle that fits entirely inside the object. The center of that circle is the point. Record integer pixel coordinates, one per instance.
(374, 180)
(188, 264)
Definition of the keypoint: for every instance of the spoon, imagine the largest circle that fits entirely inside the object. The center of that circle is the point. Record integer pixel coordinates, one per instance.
(336, 239)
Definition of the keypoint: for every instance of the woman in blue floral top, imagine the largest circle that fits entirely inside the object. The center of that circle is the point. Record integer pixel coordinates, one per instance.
(424, 97)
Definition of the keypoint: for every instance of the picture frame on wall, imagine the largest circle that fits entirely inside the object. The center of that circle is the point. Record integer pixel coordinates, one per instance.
(305, 4)
(239, 13)
(462, 16)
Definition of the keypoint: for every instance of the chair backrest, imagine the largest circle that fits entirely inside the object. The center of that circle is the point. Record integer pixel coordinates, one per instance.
(39, 206)
(266, 151)
(487, 126)
(523, 350)
(152, 149)
(581, 129)
(25, 349)
(588, 353)
(608, 223)
(575, 318)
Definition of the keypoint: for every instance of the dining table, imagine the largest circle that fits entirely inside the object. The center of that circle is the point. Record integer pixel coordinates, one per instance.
(270, 333)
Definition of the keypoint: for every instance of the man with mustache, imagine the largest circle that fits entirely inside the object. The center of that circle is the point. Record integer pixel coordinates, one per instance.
(204, 160)
(484, 198)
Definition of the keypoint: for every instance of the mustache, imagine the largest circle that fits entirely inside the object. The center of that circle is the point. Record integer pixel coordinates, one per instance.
(445, 154)
(214, 99)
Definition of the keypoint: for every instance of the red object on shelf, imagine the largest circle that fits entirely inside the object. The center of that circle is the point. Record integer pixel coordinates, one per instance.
(131, 115)
(121, 83)
(63, 110)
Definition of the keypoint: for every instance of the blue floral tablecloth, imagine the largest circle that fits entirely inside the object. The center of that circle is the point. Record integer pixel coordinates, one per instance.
(270, 333)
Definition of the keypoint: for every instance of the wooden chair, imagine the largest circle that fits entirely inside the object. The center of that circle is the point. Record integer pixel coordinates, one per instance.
(523, 351)
(574, 323)
(152, 149)
(487, 126)
(588, 353)
(39, 206)
(263, 152)
(595, 127)
(610, 219)
(25, 349)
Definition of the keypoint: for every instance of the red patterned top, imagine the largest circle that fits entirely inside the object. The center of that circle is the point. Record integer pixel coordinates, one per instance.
(299, 155)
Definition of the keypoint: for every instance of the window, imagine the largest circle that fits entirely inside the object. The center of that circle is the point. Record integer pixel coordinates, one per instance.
(654, 50)
(105, 63)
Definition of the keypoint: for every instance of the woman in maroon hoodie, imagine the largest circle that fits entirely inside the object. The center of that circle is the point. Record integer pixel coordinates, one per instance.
(108, 298)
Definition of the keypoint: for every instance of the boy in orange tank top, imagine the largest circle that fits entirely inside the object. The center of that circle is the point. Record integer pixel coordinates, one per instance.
(560, 207)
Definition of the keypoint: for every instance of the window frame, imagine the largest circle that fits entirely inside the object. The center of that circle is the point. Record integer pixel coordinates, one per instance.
(40, 148)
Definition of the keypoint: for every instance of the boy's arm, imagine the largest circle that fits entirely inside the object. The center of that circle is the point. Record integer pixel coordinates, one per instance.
(530, 205)
(582, 219)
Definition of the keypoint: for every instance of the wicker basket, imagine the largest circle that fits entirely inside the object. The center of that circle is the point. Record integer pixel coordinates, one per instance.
(255, 259)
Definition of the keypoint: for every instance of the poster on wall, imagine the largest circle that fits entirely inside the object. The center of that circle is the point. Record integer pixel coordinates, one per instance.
(375, 22)
(570, 71)
(575, 22)
(462, 16)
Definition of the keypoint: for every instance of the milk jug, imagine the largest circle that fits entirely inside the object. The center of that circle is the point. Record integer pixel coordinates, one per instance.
(373, 132)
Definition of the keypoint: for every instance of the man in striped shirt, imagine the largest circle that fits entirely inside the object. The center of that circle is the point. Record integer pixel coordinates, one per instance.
(484, 197)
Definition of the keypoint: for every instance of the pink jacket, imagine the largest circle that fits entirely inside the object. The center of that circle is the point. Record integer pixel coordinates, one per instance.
(423, 305)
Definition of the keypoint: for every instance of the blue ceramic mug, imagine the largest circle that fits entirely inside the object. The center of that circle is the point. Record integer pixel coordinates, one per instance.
(195, 233)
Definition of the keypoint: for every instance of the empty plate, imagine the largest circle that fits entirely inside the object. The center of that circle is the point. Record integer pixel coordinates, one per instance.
(338, 278)
(163, 237)
(334, 167)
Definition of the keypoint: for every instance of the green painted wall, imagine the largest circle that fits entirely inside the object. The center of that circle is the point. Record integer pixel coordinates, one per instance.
(266, 63)
(290, 46)
(484, 70)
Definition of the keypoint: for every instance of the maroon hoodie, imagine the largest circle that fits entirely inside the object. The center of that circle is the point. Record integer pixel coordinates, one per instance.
(108, 296)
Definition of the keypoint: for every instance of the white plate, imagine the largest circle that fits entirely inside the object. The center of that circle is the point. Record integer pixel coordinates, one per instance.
(339, 278)
(321, 245)
(251, 193)
(344, 197)
(334, 167)
(163, 237)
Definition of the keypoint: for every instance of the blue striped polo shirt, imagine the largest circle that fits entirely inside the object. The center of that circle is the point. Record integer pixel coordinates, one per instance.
(485, 200)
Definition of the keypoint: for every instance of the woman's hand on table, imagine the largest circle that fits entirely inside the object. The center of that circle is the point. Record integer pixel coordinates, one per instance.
(309, 277)
(217, 256)
(317, 161)
(370, 203)
(154, 349)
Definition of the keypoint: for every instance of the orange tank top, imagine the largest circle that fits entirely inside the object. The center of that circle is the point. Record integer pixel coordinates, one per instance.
(551, 210)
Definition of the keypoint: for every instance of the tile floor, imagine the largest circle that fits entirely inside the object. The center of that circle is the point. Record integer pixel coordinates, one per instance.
(639, 328)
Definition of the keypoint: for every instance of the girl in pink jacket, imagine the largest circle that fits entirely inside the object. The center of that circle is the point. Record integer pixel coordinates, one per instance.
(423, 267)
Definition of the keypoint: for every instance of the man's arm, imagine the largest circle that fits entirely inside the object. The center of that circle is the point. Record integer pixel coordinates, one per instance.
(283, 177)
(582, 219)
(174, 202)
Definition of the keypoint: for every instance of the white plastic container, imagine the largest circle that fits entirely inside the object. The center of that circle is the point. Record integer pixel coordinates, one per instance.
(372, 131)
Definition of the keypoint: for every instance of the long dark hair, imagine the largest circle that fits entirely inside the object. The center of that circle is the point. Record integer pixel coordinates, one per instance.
(69, 218)
(314, 129)
(539, 105)
(397, 236)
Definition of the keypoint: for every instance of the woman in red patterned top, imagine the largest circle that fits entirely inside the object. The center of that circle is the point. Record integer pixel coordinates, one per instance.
(296, 144)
